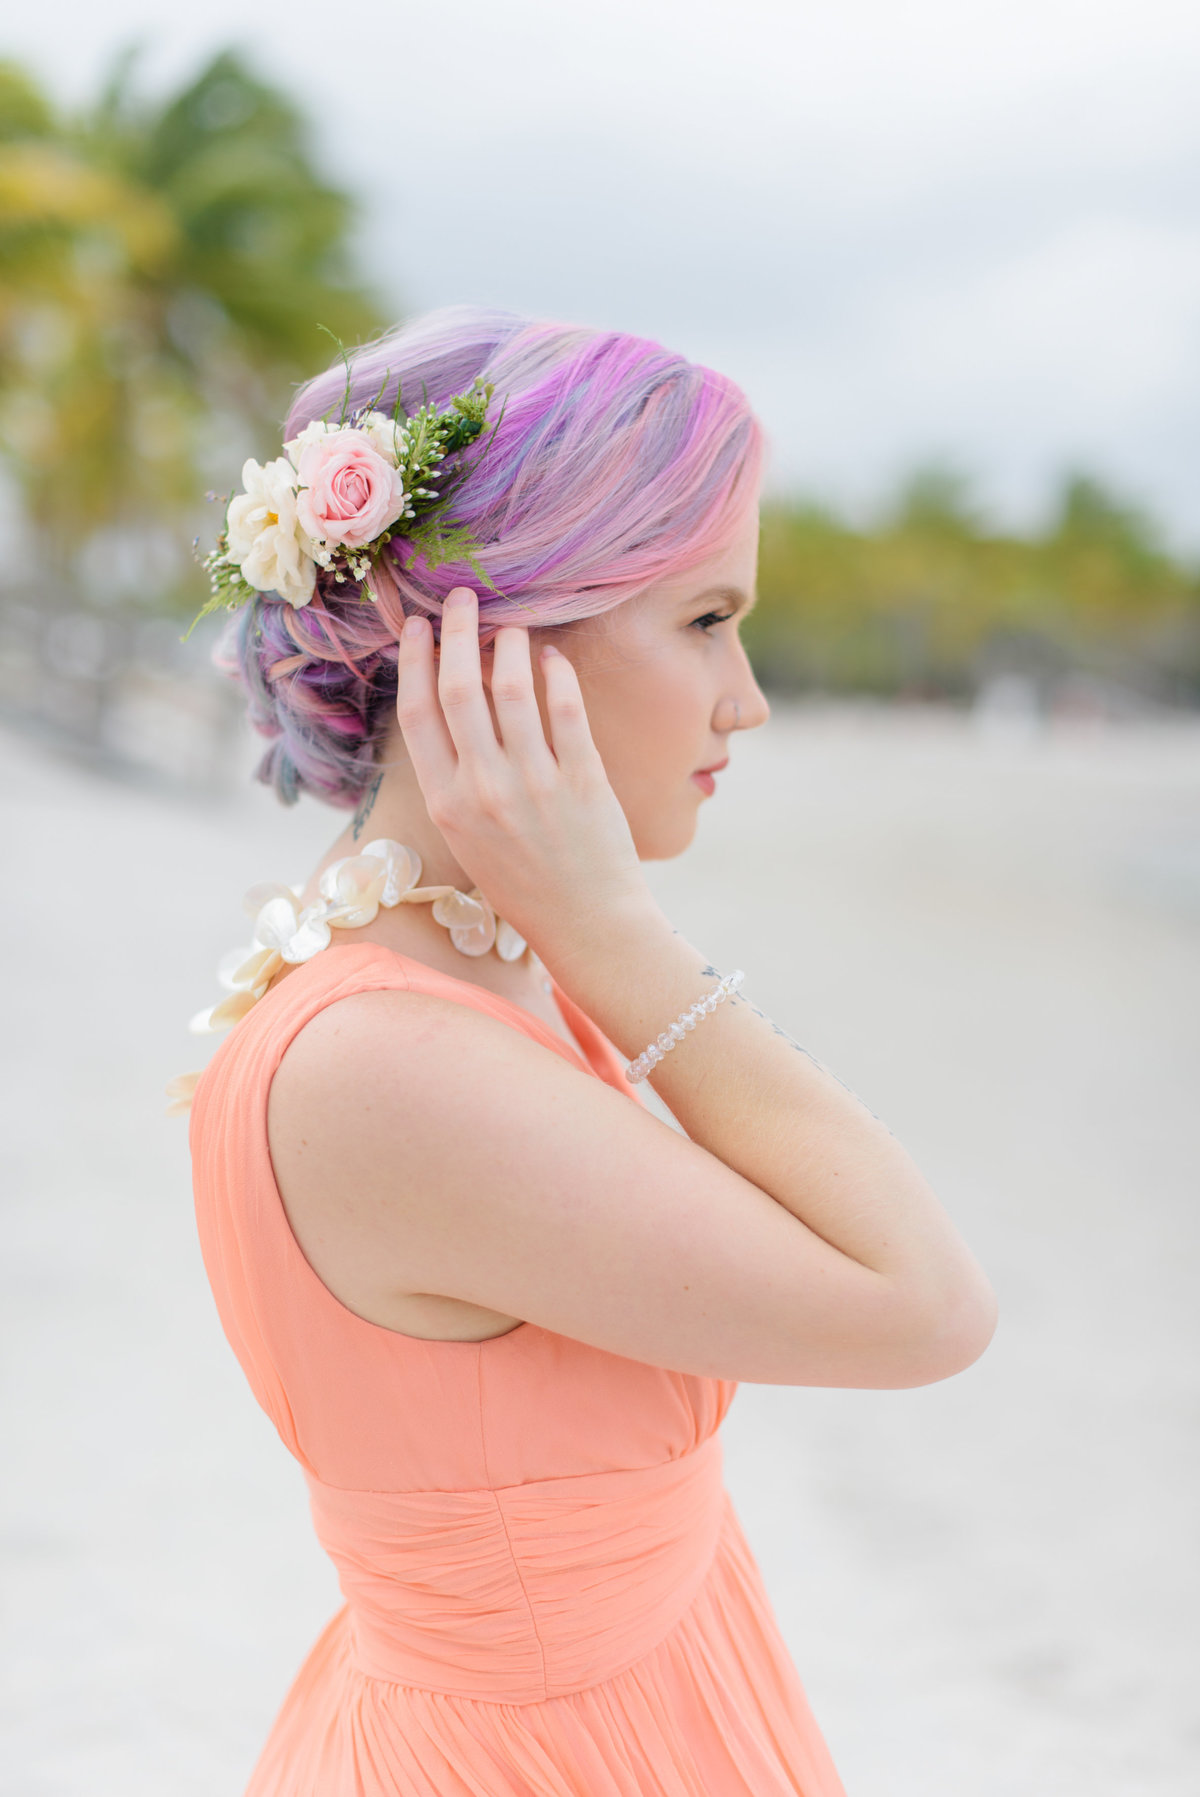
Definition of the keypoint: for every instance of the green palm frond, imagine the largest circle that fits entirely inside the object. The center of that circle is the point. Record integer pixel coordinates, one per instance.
(162, 268)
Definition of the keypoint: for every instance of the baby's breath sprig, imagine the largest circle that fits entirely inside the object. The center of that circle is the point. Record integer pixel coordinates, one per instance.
(227, 588)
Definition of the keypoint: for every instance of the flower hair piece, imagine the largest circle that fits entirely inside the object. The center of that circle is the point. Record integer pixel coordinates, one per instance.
(340, 493)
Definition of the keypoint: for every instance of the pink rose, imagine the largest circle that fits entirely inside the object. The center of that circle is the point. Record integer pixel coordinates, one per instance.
(348, 492)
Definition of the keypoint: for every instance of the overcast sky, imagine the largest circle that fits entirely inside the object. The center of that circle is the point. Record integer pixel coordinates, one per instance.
(964, 231)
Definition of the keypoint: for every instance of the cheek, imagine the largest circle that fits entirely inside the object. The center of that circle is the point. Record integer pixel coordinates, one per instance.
(645, 725)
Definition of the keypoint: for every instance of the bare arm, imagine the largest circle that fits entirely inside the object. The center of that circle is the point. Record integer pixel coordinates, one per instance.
(422, 1146)
(749, 1094)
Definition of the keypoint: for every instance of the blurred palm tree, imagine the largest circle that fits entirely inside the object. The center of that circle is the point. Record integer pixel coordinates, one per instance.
(164, 269)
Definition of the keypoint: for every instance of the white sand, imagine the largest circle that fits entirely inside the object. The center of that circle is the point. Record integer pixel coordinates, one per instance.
(989, 1586)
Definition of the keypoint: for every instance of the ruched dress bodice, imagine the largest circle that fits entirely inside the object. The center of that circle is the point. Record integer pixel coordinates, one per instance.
(547, 1589)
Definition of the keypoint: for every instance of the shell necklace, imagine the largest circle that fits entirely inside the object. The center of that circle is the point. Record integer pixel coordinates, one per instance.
(351, 892)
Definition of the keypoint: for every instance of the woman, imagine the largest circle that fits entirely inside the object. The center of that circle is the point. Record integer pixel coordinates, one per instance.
(495, 1310)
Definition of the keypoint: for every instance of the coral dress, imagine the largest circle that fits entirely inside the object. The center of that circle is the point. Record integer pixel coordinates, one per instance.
(548, 1593)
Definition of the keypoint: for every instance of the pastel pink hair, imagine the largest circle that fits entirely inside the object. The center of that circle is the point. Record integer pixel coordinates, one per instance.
(617, 463)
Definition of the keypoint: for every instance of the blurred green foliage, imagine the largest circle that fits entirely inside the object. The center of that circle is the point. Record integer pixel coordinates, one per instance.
(164, 267)
(931, 600)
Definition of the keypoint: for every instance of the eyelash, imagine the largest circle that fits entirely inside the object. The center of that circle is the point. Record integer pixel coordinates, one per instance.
(710, 618)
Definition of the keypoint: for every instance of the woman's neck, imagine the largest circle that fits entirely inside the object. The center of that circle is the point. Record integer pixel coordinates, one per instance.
(393, 806)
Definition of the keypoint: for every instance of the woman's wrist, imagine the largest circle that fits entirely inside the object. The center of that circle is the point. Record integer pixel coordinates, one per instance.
(633, 974)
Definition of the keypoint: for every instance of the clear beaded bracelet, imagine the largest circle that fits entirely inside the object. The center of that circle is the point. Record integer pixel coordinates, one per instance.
(687, 1020)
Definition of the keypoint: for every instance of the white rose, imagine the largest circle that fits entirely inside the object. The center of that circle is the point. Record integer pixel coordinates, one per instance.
(265, 538)
(312, 433)
(382, 432)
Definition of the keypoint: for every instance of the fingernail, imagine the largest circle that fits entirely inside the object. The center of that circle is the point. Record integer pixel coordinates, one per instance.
(460, 597)
(549, 649)
(412, 627)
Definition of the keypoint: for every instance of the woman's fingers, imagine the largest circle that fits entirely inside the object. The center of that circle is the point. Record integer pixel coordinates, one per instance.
(570, 733)
(525, 738)
(429, 745)
(443, 709)
(515, 699)
(460, 679)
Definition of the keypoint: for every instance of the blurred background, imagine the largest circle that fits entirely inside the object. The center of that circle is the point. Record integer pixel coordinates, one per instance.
(953, 256)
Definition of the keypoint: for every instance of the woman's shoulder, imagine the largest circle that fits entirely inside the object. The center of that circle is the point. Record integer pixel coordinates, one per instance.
(372, 1007)
(393, 1095)
(299, 994)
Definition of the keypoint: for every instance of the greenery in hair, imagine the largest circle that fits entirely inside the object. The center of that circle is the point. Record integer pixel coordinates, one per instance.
(418, 446)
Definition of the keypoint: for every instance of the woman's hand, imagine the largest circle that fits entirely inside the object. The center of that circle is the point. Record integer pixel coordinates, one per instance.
(535, 824)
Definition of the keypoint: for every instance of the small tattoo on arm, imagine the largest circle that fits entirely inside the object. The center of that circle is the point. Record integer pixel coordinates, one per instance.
(737, 999)
(365, 805)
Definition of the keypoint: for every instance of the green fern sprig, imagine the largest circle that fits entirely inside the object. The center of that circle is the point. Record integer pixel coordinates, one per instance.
(437, 541)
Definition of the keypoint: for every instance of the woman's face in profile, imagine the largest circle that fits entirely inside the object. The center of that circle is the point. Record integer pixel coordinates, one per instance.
(668, 685)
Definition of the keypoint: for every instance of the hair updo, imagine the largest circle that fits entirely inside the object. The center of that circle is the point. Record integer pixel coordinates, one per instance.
(617, 464)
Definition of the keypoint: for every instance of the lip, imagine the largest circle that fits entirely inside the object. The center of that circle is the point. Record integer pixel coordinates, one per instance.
(703, 776)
